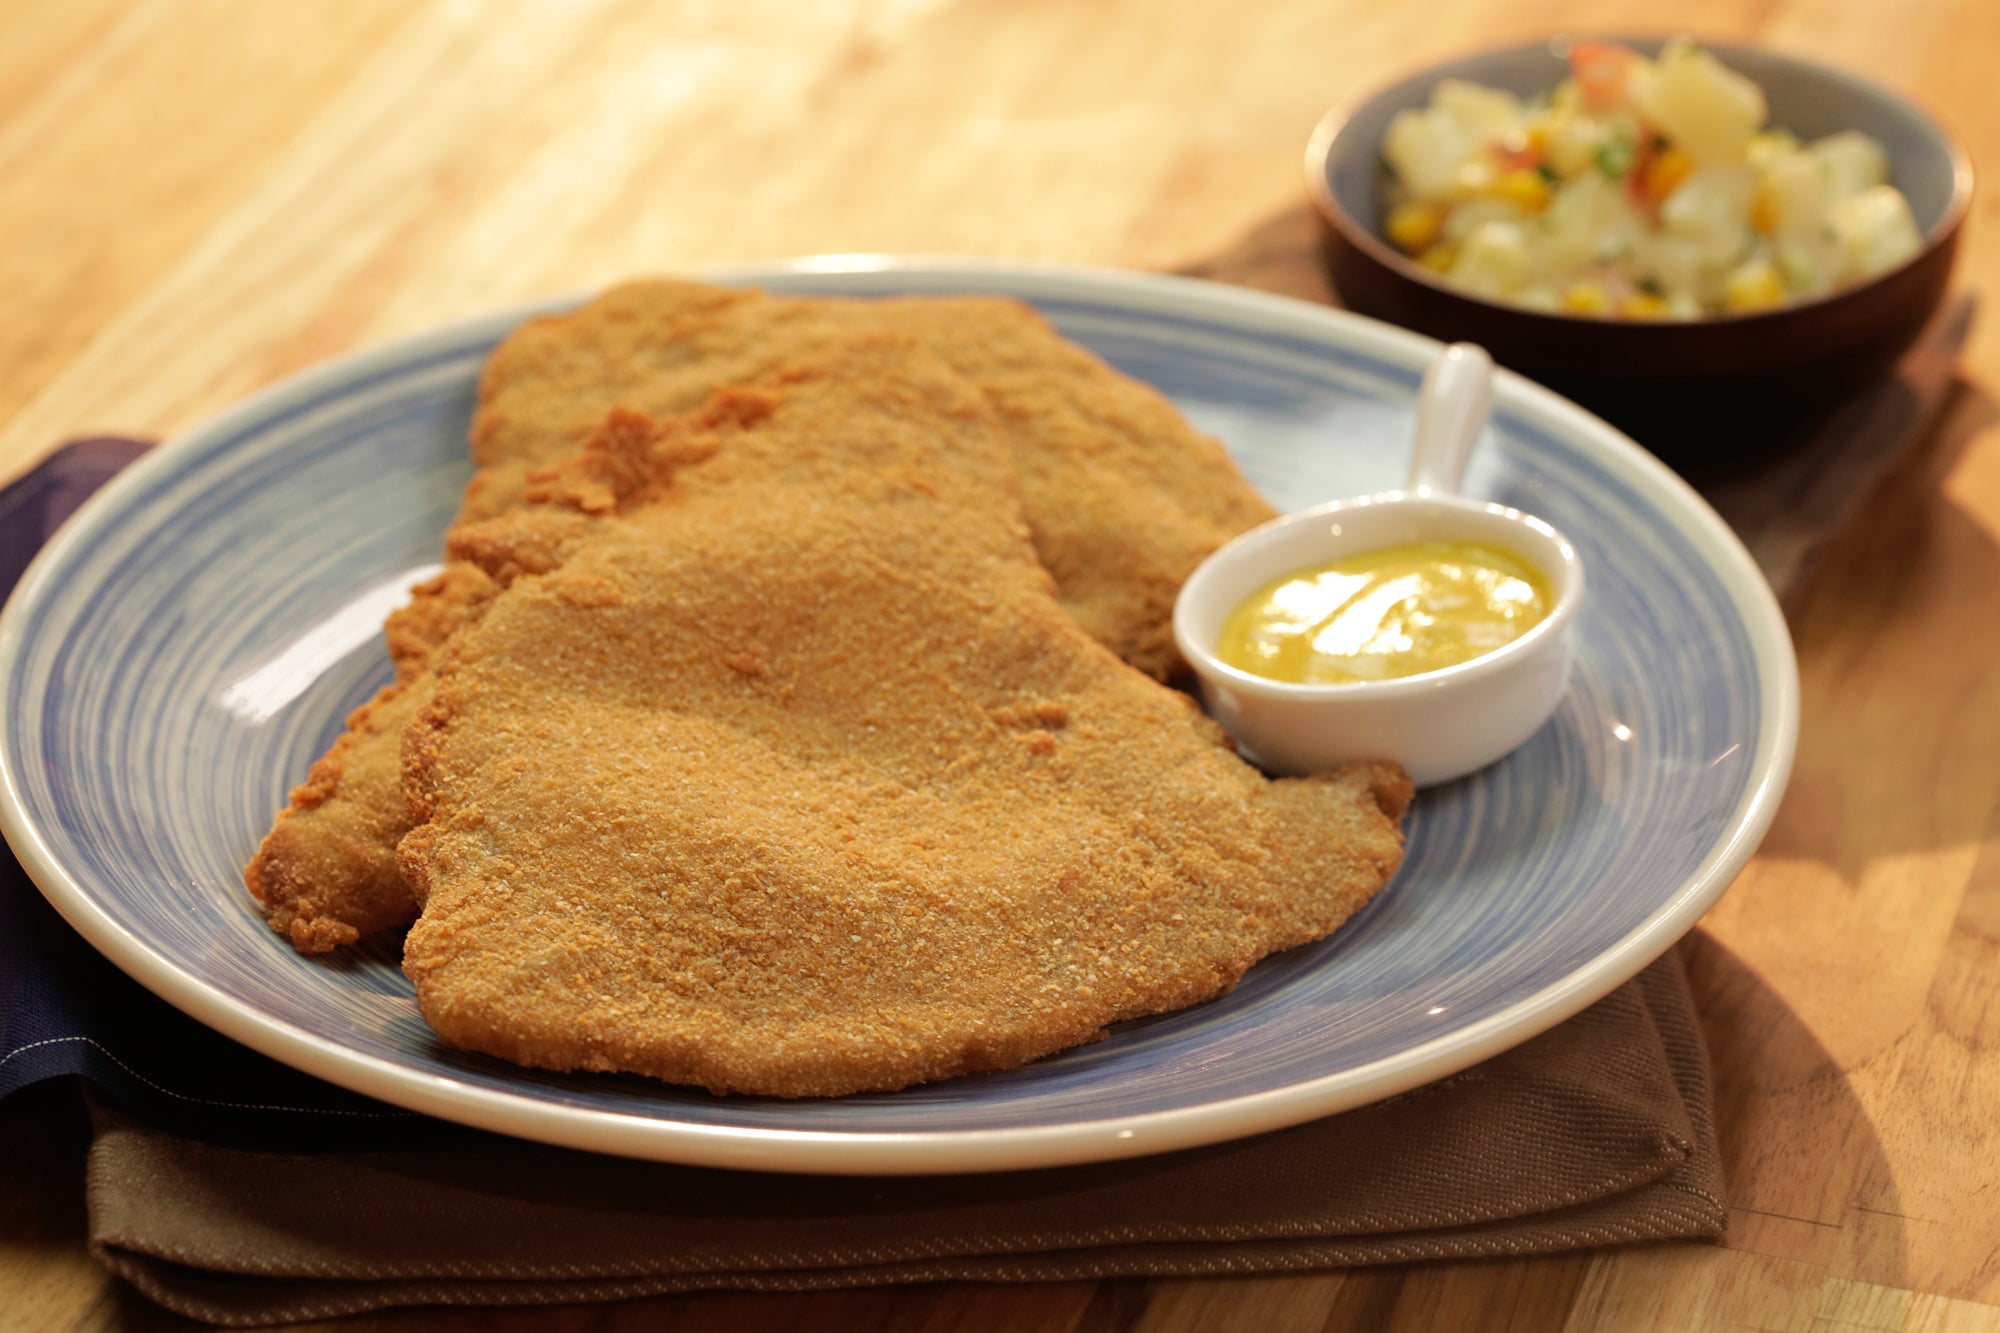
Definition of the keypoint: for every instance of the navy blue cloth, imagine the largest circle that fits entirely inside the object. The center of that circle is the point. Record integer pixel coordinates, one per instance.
(66, 1011)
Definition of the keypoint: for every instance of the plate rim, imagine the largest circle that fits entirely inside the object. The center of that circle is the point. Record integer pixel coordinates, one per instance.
(523, 1114)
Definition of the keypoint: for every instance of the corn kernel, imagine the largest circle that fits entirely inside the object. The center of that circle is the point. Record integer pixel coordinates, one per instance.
(1523, 187)
(1753, 286)
(1585, 298)
(1666, 172)
(1643, 305)
(1538, 141)
(1439, 258)
(1764, 213)
(1414, 224)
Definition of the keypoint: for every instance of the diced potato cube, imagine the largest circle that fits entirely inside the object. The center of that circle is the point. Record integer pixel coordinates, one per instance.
(1704, 107)
(1791, 196)
(1470, 216)
(1493, 260)
(1426, 146)
(1875, 230)
(1711, 210)
(1810, 261)
(1586, 216)
(1684, 305)
(1674, 264)
(1572, 142)
(1423, 147)
(1770, 144)
(1475, 175)
(1481, 113)
(1851, 161)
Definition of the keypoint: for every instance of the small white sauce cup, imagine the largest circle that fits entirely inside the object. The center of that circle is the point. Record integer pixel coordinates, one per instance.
(1438, 725)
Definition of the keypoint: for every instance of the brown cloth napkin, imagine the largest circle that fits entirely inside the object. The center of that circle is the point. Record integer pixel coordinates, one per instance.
(1597, 1132)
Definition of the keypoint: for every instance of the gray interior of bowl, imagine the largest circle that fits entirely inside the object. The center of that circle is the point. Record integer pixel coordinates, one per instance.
(1810, 100)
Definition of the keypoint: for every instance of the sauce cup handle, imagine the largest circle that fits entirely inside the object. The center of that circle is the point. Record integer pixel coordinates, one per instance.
(1452, 408)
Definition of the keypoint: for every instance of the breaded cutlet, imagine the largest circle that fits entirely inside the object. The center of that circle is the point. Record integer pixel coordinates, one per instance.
(778, 767)
(1122, 497)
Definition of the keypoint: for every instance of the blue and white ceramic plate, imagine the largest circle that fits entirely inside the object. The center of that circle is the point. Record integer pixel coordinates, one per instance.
(190, 642)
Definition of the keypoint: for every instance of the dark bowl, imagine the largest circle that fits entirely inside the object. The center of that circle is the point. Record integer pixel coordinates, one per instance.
(1687, 389)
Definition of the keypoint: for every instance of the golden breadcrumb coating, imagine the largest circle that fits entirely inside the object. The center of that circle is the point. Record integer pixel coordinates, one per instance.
(778, 768)
(326, 873)
(1122, 496)
(1123, 500)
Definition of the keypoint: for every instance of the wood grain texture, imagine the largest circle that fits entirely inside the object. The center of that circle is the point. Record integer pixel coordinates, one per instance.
(199, 196)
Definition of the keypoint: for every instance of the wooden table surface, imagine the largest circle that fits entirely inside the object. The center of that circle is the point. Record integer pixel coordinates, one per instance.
(197, 196)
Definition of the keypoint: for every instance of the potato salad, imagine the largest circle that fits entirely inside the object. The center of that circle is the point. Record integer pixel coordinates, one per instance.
(1638, 189)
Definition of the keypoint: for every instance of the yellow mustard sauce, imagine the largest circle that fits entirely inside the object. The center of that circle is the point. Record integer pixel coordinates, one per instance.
(1396, 611)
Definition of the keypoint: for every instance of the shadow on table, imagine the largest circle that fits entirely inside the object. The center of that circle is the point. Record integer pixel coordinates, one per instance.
(1918, 570)
(1279, 254)
(1807, 1174)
